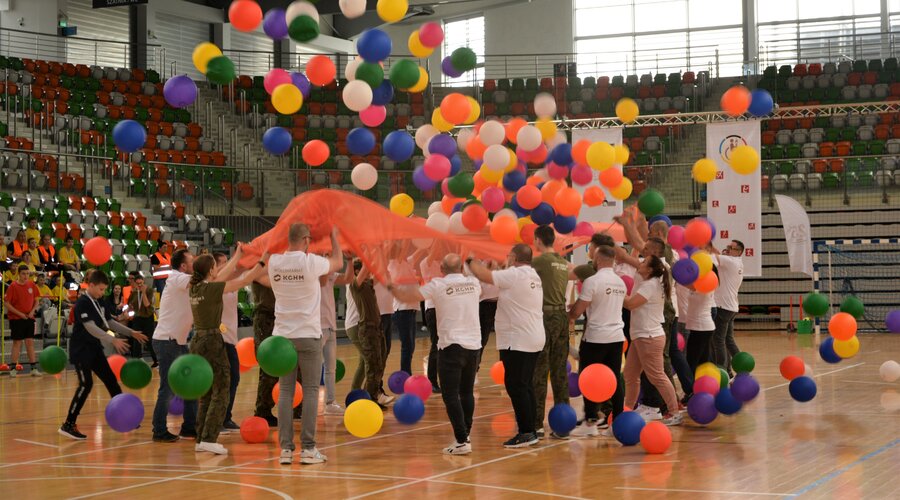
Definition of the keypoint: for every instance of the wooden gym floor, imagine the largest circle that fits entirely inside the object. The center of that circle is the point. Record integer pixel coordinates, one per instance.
(844, 444)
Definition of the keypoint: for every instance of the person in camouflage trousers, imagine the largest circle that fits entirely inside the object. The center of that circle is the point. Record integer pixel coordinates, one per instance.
(214, 404)
(371, 336)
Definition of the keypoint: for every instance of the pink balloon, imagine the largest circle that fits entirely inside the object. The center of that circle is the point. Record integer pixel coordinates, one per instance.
(418, 385)
(681, 343)
(445, 187)
(682, 254)
(274, 78)
(431, 35)
(522, 167)
(373, 116)
(676, 237)
(492, 199)
(581, 175)
(629, 283)
(437, 167)
(706, 384)
(583, 228)
(557, 172)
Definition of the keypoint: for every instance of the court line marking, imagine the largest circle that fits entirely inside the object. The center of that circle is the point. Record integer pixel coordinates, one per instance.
(257, 472)
(837, 472)
(36, 443)
(714, 492)
(75, 454)
(817, 375)
(279, 494)
(637, 463)
(866, 382)
(504, 488)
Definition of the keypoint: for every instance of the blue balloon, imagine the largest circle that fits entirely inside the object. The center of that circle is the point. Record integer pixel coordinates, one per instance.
(761, 102)
(826, 351)
(564, 224)
(129, 136)
(661, 217)
(514, 205)
(442, 144)
(383, 94)
(356, 394)
(726, 403)
(627, 428)
(374, 45)
(513, 181)
(458, 207)
(562, 155)
(360, 141)
(277, 140)
(448, 69)
(685, 272)
(455, 165)
(543, 214)
(396, 381)
(803, 389)
(399, 146)
(408, 409)
(562, 419)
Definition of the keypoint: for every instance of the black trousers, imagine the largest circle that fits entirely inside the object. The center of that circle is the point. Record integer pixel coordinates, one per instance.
(83, 368)
(699, 348)
(457, 377)
(431, 323)
(611, 356)
(487, 312)
(145, 325)
(519, 372)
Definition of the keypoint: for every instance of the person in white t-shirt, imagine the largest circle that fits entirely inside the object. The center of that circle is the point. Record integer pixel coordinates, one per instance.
(402, 270)
(430, 268)
(648, 337)
(455, 299)
(519, 326)
(700, 323)
(294, 277)
(328, 313)
(230, 336)
(602, 296)
(731, 275)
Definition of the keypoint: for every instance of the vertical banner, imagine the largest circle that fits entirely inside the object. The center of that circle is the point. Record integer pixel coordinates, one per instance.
(611, 207)
(734, 201)
(797, 234)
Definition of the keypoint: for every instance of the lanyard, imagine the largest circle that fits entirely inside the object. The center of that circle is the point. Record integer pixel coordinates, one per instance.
(100, 312)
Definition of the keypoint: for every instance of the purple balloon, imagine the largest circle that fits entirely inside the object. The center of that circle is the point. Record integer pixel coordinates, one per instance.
(124, 412)
(702, 408)
(685, 271)
(275, 25)
(396, 381)
(180, 91)
(176, 406)
(744, 387)
(448, 69)
(421, 180)
(301, 82)
(442, 144)
(574, 391)
(892, 321)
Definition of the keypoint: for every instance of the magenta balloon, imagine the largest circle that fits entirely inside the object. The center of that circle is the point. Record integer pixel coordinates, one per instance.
(274, 78)
(373, 116)
(676, 237)
(437, 167)
(706, 384)
(493, 199)
(431, 34)
(445, 187)
(629, 283)
(581, 175)
(557, 172)
(583, 228)
(275, 25)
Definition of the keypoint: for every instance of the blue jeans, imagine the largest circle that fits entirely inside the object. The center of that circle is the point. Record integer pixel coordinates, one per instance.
(405, 323)
(166, 352)
(235, 372)
(679, 360)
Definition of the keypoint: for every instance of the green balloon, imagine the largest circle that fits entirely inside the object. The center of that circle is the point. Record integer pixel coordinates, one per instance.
(190, 376)
(371, 73)
(136, 374)
(53, 359)
(461, 184)
(815, 304)
(404, 74)
(277, 356)
(854, 307)
(339, 371)
(220, 70)
(463, 59)
(651, 203)
(723, 378)
(303, 29)
(743, 362)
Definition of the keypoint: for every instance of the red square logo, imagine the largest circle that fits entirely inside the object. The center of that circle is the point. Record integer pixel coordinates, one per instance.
(751, 226)
(748, 252)
(720, 174)
(732, 209)
(723, 234)
(715, 203)
(745, 188)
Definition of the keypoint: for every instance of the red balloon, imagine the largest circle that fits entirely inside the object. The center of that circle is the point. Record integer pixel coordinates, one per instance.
(246, 351)
(474, 217)
(697, 232)
(498, 372)
(97, 251)
(656, 438)
(320, 70)
(245, 15)
(792, 367)
(298, 394)
(597, 382)
(418, 385)
(528, 197)
(315, 152)
(527, 233)
(254, 429)
(116, 362)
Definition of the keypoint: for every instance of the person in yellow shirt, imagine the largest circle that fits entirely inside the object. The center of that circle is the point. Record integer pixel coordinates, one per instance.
(68, 257)
(32, 232)
(13, 273)
(33, 254)
(46, 292)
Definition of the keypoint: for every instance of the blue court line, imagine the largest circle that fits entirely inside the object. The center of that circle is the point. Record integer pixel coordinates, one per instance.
(828, 477)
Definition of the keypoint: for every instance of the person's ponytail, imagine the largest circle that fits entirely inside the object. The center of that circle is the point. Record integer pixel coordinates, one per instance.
(203, 264)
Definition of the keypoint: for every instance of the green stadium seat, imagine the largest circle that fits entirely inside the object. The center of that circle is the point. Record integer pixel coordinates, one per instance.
(831, 180)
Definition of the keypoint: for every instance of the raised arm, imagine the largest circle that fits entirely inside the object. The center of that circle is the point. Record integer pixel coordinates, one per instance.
(249, 277)
(481, 271)
(231, 266)
(336, 261)
(363, 275)
(406, 293)
(632, 302)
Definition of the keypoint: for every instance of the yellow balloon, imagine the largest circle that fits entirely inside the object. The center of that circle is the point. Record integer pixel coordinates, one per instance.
(546, 127)
(709, 370)
(847, 348)
(391, 11)
(438, 121)
(524, 221)
(402, 204)
(492, 176)
(622, 154)
(415, 46)
(704, 261)
(287, 99)
(203, 53)
(623, 190)
(704, 170)
(601, 155)
(513, 161)
(421, 84)
(627, 110)
(744, 160)
(363, 418)
(475, 114)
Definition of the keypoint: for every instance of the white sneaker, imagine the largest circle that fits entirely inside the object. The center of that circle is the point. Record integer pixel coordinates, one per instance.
(673, 419)
(35, 372)
(585, 429)
(648, 413)
(334, 409)
(458, 449)
(214, 448)
(384, 400)
(197, 447)
(607, 433)
(12, 373)
(312, 456)
(287, 456)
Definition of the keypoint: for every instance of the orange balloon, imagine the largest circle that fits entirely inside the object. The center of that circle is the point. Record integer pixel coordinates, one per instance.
(593, 196)
(315, 152)
(504, 230)
(656, 438)
(480, 183)
(579, 151)
(320, 70)
(567, 202)
(550, 190)
(534, 181)
(298, 394)
(498, 371)
(707, 283)
(792, 367)
(455, 108)
(474, 217)
(697, 232)
(246, 351)
(527, 233)
(597, 382)
(528, 196)
(475, 148)
(116, 362)
(448, 202)
(611, 178)
(736, 100)
(513, 127)
(842, 326)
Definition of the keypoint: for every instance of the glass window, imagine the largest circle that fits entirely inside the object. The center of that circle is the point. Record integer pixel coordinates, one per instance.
(862, 7)
(465, 33)
(604, 57)
(775, 10)
(813, 9)
(607, 20)
(707, 44)
(659, 15)
(704, 13)
(661, 53)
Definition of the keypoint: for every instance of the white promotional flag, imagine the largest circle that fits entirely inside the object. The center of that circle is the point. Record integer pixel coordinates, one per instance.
(797, 234)
(611, 207)
(734, 201)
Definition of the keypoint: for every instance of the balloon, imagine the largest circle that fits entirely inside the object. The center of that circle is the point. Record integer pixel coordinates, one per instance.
(383, 94)
(498, 373)
(493, 199)
(303, 28)
(437, 167)
(676, 237)
(564, 224)
(416, 47)
(356, 395)
(735, 101)
(460, 184)
(396, 381)
(627, 428)
(761, 102)
(245, 15)
(363, 418)
(421, 84)
(496, 157)
(707, 283)
(408, 409)
(853, 306)
(352, 66)
(277, 141)
(373, 116)
(246, 350)
(685, 271)
(492, 132)
(315, 152)
(475, 111)
(357, 95)
(889, 371)
(528, 138)
(706, 384)
(220, 70)
(402, 204)
(815, 304)
(274, 78)
(287, 99)
(513, 126)
(557, 172)
(404, 73)
(441, 144)
(792, 367)
(301, 8)
(431, 34)
(424, 134)
(726, 403)
(550, 190)
(391, 11)
(622, 153)
(97, 251)
(562, 154)
(843, 348)
(743, 362)
(651, 203)
(704, 170)
(474, 217)
(543, 214)
(448, 69)
(802, 389)
(135, 374)
(547, 127)
(298, 394)
(320, 70)
(129, 136)
(463, 59)
(842, 326)
(275, 24)
(702, 408)
(744, 387)
(656, 438)
(418, 385)
(276, 357)
(597, 382)
(399, 146)
(203, 53)
(439, 222)
(892, 321)
(180, 91)
(744, 160)
(703, 260)
(374, 45)
(176, 406)
(301, 82)
(826, 351)
(353, 8)
(372, 74)
(545, 105)
(191, 376)
(254, 430)
(513, 181)
(627, 110)
(364, 176)
(438, 121)
(360, 141)
(528, 197)
(698, 232)
(455, 108)
(504, 230)
(562, 419)
(593, 196)
(601, 156)
(623, 190)
(567, 202)
(124, 412)
(53, 359)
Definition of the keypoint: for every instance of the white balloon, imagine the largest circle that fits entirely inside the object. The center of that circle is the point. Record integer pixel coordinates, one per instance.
(357, 95)
(424, 134)
(435, 207)
(506, 212)
(438, 221)
(890, 401)
(544, 105)
(529, 138)
(456, 224)
(350, 69)
(462, 139)
(299, 8)
(807, 370)
(352, 8)
(496, 157)
(889, 371)
(492, 132)
(364, 176)
(556, 140)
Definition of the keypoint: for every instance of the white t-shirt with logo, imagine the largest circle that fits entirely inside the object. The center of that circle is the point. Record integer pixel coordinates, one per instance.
(519, 322)
(699, 316)
(328, 311)
(351, 315)
(683, 294)
(430, 269)
(646, 321)
(605, 290)
(385, 299)
(295, 282)
(456, 306)
(230, 317)
(731, 275)
(175, 318)
(402, 273)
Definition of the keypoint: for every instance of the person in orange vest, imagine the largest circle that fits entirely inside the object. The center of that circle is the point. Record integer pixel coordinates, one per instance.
(162, 265)
(18, 245)
(47, 254)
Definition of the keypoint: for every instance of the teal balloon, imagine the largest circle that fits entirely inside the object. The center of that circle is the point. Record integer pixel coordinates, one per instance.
(277, 356)
(190, 376)
(53, 359)
(136, 374)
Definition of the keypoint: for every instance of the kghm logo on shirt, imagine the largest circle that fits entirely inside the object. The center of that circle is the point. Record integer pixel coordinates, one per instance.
(615, 291)
(460, 289)
(290, 278)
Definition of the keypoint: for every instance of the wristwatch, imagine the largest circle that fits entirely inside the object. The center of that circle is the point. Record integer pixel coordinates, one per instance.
(261, 264)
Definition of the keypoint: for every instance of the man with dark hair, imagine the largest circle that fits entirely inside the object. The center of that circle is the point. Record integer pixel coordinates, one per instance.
(140, 305)
(554, 273)
(68, 257)
(22, 300)
(731, 274)
(586, 270)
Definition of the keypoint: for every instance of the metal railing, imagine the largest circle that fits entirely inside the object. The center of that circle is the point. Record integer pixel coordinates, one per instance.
(844, 47)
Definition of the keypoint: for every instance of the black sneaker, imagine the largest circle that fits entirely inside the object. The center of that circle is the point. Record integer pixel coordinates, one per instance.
(298, 415)
(188, 434)
(71, 432)
(522, 441)
(270, 419)
(540, 433)
(562, 437)
(168, 437)
(230, 426)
